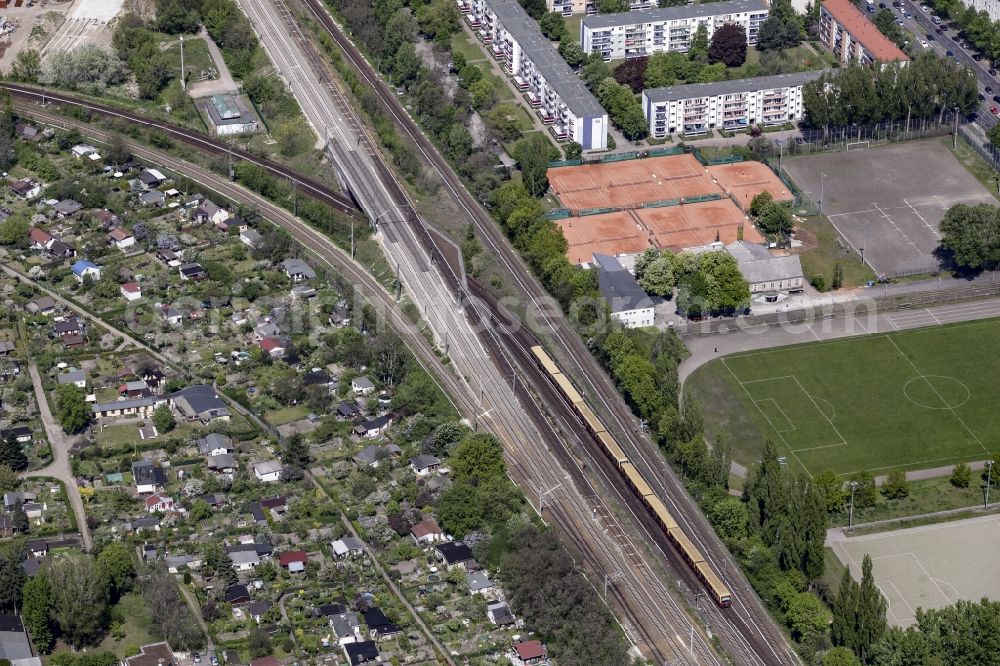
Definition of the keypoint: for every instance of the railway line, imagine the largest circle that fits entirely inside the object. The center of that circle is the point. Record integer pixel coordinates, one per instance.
(196, 140)
(629, 592)
(748, 624)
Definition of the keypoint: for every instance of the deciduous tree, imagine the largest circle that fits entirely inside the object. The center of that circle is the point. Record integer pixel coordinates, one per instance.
(895, 485)
(79, 598)
(36, 608)
(729, 45)
(533, 155)
(72, 410)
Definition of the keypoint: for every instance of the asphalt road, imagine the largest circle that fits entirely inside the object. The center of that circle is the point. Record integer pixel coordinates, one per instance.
(921, 25)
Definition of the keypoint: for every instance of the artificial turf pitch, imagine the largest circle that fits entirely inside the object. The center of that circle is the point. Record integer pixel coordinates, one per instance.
(914, 399)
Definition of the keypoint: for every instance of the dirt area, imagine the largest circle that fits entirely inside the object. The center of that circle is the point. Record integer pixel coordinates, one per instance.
(222, 83)
(87, 22)
(35, 28)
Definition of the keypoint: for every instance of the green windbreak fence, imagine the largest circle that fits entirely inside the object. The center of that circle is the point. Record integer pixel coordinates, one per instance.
(596, 211)
(663, 203)
(668, 150)
(712, 196)
(558, 214)
(620, 157)
(562, 163)
(724, 159)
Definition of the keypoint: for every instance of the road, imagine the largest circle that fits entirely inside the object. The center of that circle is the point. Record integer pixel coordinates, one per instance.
(921, 25)
(60, 467)
(656, 620)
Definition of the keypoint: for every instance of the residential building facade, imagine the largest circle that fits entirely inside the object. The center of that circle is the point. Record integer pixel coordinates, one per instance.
(549, 85)
(642, 33)
(734, 105)
(628, 302)
(848, 33)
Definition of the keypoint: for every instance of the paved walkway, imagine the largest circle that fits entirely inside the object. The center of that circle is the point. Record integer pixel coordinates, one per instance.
(60, 467)
(223, 84)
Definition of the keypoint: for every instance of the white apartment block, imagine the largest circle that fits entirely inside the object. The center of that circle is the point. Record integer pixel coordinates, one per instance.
(696, 108)
(548, 84)
(570, 7)
(991, 7)
(848, 33)
(641, 33)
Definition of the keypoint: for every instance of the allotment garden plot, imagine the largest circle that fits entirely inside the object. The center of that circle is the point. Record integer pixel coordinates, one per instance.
(912, 400)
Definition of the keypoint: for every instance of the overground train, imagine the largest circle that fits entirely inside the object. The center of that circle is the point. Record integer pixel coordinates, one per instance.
(687, 549)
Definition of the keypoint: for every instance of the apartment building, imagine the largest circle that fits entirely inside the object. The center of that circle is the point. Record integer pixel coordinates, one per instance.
(696, 108)
(852, 37)
(547, 83)
(991, 7)
(570, 7)
(641, 33)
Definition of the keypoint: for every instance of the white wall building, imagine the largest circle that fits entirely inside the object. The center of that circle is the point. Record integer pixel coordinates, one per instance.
(991, 7)
(696, 108)
(628, 302)
(570, 7)
(641, 33)
(549, 85)
(765, 274)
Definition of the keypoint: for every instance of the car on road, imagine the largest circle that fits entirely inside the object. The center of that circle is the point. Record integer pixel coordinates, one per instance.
(907, 15)
(989, 90)
(977, 57)
(924, 44)
(994, 111)
(982, 97)
(924, 8)
(871, 10)
(993, 72)
(949, 53)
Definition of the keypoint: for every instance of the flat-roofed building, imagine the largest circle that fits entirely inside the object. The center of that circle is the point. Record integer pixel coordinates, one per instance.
(229, 115)
(697, 108)
(641, 33)
(549, 85)
(852, 37)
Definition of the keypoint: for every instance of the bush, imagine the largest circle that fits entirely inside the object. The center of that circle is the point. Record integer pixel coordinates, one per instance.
(818, 282)
(961, 475)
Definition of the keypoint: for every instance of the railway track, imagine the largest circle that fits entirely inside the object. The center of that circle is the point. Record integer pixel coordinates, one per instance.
(194, 139)
(748, 627)
(625, 594)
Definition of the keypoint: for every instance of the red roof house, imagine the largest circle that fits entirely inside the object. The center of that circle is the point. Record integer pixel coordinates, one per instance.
(294, 560)
(530, 652)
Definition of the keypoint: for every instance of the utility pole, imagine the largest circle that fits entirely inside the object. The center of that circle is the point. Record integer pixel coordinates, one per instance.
(956, 129)
(989, 475)
(850, 519)
(183, 82)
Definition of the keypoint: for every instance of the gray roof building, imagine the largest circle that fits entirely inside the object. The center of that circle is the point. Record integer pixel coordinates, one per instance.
(676, 13)
(764, 272)
(71, 377)
(296, 268)
(214, 442)
(199, 402)
(690, 90)
(14, 644)
(618, 286)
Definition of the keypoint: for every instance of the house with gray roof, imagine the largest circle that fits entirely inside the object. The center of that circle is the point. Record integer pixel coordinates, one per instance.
(297, 270)
(628, 302)
(767, 275)
(214, 444)
(199, 403)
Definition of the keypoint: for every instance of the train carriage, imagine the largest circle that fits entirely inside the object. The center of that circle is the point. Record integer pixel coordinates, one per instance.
(590, 419)
(635, 480)
(568, 389)
(545, 360)
(663, 516)
(687, 548)
(612, 449)
(719, 591)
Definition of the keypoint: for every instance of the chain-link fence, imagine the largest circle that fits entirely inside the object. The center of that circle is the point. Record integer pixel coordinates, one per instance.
(857, 137)
(975, 139)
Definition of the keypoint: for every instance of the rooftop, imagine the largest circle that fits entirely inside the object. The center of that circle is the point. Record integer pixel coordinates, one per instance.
(864, 31)
(540, 51)
(673, 13)
(690, 90)
(618, 286)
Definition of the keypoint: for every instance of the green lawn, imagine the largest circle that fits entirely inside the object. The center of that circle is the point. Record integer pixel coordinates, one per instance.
(196, 57)
(975, 165)
(287, 415)
(462, 43)
(826, 249)
(910, 400)
(136, 622)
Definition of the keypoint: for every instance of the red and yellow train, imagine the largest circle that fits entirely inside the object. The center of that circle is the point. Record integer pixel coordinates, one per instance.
(684, 545)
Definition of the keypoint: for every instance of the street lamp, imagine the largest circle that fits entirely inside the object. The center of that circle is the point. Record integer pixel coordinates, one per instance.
(850, 519)
(822, 190)
(989, 470)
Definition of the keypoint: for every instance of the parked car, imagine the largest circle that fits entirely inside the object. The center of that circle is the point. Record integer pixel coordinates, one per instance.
(994, 111)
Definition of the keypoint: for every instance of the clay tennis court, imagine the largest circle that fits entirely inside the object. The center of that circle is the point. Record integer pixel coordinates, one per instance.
(631, 182)
(745, 180)
(691, 225)
(611, 233)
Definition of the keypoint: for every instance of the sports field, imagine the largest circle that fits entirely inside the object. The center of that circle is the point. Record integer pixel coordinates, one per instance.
(745, 180)
(927, 567)
(630, 182)
(889, 200)
(911, 399)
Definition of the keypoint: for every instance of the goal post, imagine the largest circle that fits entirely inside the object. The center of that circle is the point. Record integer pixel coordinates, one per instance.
(857, 145)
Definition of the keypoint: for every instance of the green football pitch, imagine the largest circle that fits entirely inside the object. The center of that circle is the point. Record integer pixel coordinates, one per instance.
(912, 400)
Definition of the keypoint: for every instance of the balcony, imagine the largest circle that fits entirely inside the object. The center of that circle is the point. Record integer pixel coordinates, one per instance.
(533, 100)
(736, 123)
(695, 128)
(520, 83)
